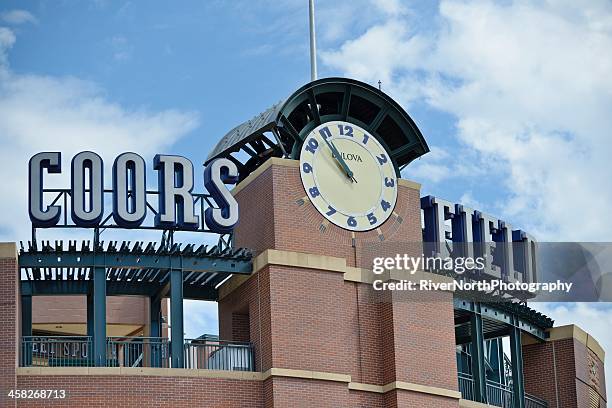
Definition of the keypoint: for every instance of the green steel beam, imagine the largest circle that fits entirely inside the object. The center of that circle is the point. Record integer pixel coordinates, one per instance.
(26, 327)
(497, 313)
(135, 261)
(518, 385)
(155, 325)
(478, 359)
(176, 318)
(90, 316)
(113, 288)
(99, 314)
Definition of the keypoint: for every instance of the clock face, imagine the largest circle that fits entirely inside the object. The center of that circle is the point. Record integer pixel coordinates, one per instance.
(348, 176)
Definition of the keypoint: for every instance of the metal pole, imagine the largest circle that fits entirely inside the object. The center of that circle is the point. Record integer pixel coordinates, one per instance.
(26, 328)
(176, 316)
(313, 42)
(478, 359)
(516, 348)
(99, 313)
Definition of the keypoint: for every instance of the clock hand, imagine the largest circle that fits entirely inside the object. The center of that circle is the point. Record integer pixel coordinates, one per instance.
(342, 162)
(336, 154)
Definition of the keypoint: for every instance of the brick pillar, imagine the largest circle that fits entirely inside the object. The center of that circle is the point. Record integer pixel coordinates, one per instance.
(308, 319)
(9, 316)
(567, 370)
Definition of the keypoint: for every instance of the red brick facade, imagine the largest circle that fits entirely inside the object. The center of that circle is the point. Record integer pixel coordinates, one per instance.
(143, 391)
(310, 319)
(9, 311)
(566, 373)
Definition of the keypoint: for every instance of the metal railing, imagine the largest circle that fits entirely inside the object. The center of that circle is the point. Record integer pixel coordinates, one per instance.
(534, 402)
(56, 351)
(77, 351)
(498, 395)
(137, 352)
(466, 386)
(219, 355)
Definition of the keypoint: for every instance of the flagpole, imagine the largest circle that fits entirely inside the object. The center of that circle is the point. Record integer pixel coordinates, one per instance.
(313, 42)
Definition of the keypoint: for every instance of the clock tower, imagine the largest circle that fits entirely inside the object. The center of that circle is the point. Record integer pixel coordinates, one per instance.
(320, 195)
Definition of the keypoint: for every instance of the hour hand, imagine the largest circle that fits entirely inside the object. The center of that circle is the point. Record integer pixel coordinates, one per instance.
(336, 154)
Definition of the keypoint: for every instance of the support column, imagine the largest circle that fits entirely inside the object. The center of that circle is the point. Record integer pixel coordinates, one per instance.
(99, 316)
(518, 385)
(26, 326)
(478, 360)
(90, 325)
(155, 331)
(176, 318)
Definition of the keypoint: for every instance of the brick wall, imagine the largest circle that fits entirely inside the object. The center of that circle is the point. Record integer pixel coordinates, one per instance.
(573, 385)
(315, 320)
(144, 391)
(9, 310)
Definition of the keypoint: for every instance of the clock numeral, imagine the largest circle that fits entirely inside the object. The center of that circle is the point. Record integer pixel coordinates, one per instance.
(385, 205)
(331, 211)
(346, 128)
(351, 222)
(307, 168)
(382, 159)
(312, 145)
(372, 218)
(365, 138)
(389, 182)
(314, 192)
(325, 133)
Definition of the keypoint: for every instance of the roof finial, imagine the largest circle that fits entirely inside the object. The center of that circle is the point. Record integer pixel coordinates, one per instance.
(379, 85)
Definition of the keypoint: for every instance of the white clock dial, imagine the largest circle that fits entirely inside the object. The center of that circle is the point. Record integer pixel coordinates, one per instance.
(348, 176)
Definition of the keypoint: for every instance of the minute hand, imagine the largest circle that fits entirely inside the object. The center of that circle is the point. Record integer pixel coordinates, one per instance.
(336, 154)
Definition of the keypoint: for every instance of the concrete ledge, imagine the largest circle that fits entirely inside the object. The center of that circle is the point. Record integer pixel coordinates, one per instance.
(378, 389)
(8, 250)
(572, 331)
(410, 184)
(472, 404)
(140, 371)
(298, 259)
(328, 264)
(305, 374)
(273, 161)
(425, 389)
(240, 375)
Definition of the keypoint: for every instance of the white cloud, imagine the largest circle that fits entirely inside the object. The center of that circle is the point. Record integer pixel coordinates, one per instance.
(46, 113)
(200, 318)
(7, 39)
(529, 86)
(16, 17)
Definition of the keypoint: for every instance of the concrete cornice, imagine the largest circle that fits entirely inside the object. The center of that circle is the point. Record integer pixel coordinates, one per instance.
(409, 183)
(8, 250)
(324, 263)
(472, 404)
(572, 331)
(276, 161)
(406, 386)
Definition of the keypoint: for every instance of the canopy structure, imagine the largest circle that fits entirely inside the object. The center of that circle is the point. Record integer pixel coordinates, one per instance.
(127, 269)
(280, 130)
(130, 269)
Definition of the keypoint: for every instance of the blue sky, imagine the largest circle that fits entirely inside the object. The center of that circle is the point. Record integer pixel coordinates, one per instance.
(513, 97)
